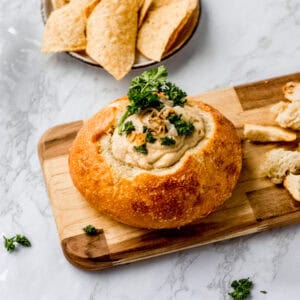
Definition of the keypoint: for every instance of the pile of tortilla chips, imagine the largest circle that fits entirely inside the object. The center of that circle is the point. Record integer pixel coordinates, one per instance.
(110, 31)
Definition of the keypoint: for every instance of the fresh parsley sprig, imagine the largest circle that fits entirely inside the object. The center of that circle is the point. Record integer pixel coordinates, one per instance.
(174, 93)
(144, 89)
(241, 289)
(10, 243)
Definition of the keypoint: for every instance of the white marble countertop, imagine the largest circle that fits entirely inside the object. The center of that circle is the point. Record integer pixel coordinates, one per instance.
(237, 42)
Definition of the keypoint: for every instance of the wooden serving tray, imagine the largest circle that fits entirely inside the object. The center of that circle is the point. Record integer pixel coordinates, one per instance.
(256, 204)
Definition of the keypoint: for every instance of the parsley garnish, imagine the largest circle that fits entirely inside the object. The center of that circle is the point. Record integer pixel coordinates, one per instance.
(242, 289)
(23, 240)
(182, 127)
(128, 127)
(10, 243)
(150, 138)
(90, 230)
(142, 94)
(144, 89)
(145, 129)
(167, 141)
(141, 149)
(174, 93)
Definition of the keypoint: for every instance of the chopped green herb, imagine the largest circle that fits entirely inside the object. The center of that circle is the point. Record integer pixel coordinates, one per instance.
(141, 149)
(150, 138)
(144, 89)
(242, 289)
(23, 240)
(167, 141)
(128, 127)
(174, 93)
(90, 230)
(10, 243)
(141, 91)
(182, 127)
(264, 292)
(145, 128)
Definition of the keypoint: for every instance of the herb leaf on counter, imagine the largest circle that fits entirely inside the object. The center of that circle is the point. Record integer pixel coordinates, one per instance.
(23, 240)
(90, 230)
(167, 141)
(141, 149)
(10, 243)
(241, 289)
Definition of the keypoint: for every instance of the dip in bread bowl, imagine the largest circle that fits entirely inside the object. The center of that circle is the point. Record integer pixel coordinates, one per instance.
(155, 158)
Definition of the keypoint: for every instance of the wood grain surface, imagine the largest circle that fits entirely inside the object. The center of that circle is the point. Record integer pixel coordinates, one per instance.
(255, 205)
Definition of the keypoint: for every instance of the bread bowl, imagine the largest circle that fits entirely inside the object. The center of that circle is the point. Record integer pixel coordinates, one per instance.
(163, 185)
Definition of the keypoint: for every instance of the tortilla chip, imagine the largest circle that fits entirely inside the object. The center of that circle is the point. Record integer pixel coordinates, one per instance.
(159, 3)
(111, 35)
(186, 25)
(158, 28)
(143, 11)
(65, 28)
(59, 3)
(141, 2)
(183, 35)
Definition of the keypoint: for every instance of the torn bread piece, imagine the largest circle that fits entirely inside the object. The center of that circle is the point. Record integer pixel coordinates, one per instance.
(292, 184)
(279, 107)
(291, 91)
(279, 163)
(260, 133)
(288, 115)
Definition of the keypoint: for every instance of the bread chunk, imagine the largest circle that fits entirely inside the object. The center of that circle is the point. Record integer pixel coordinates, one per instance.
(291, 91)
(259, 133)
(292, 184)
(288, 114)
(279, 163)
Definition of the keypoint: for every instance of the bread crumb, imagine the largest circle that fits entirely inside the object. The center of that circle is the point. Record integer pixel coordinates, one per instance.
(288, 115)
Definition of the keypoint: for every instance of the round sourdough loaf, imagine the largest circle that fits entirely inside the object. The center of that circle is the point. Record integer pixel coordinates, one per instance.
(196, 185)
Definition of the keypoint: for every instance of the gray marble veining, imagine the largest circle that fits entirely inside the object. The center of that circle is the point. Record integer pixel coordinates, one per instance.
(237, 42)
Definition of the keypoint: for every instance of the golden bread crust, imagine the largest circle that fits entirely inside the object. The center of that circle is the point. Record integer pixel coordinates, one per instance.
(202, 183)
